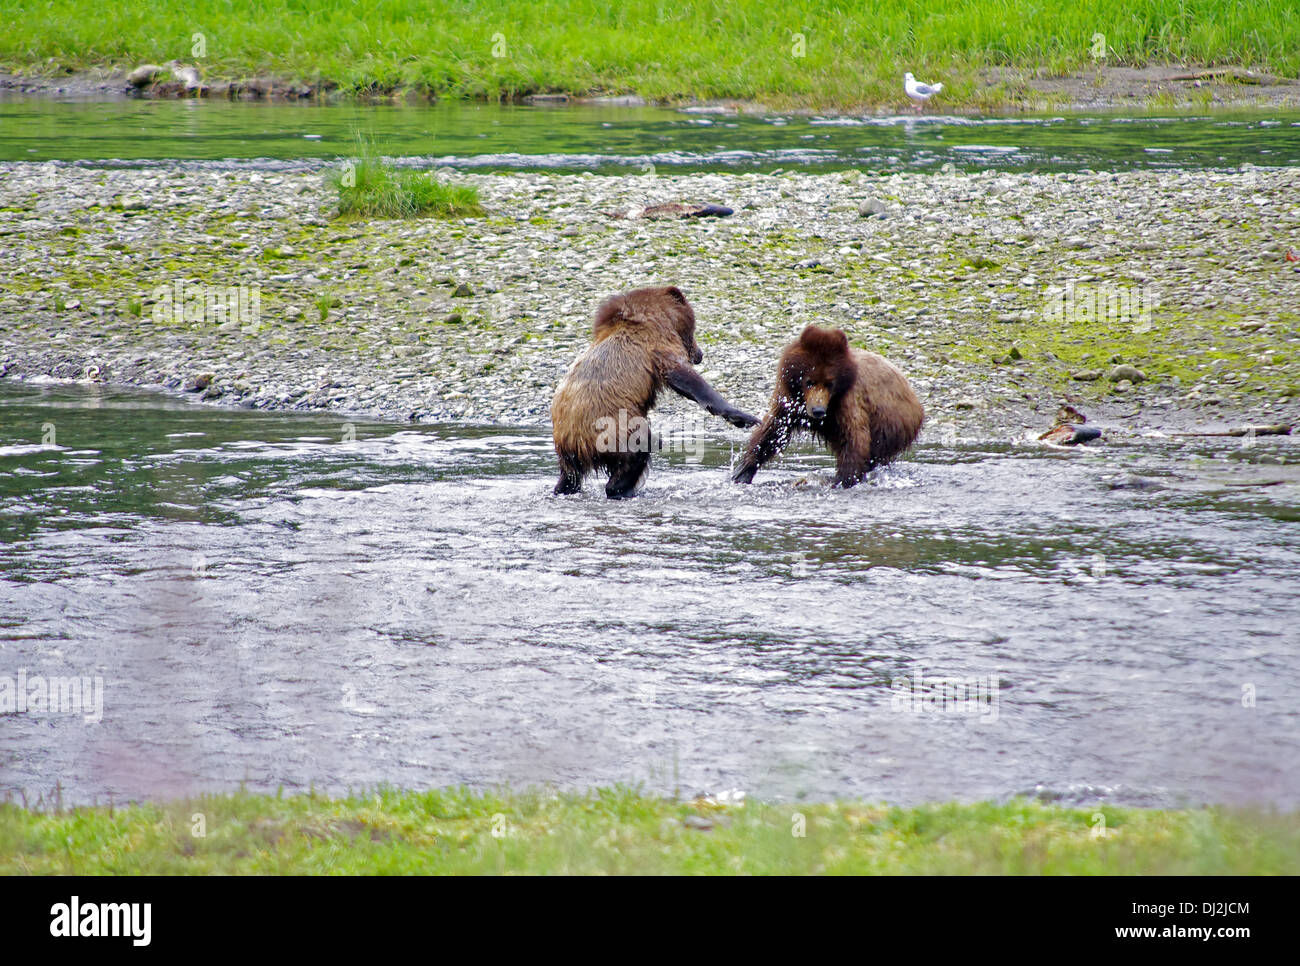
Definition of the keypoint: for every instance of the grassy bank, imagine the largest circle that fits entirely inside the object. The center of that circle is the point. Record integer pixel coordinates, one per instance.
(622, 831)
(813, 53)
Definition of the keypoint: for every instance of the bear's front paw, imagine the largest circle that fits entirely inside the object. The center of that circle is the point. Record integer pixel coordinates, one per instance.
(742, 420)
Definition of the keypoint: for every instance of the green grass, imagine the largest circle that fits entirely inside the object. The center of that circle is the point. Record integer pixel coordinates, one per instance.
(370, 187)
(619, 830)
(743, 49)
(325, 302)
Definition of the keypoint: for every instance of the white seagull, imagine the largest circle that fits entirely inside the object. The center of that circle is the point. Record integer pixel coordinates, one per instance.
(919, 92)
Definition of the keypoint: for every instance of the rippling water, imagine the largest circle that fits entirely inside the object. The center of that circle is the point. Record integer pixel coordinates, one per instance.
(268, 603)
(631, 139)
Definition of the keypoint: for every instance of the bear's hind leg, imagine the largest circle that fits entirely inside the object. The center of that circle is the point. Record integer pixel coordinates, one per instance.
(570, 477)
(627, 476)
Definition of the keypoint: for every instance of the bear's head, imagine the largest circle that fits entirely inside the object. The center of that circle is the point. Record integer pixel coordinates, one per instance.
(818, 370)
(663, 309)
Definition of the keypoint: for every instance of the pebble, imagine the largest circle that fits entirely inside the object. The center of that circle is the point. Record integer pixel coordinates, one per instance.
(873, 208)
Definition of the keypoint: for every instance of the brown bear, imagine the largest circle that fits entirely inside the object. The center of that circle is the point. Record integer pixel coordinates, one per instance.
(854, 401)
(642, 341)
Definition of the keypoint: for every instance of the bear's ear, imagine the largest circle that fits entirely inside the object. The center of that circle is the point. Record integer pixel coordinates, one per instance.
(673, 292)
(611, 311)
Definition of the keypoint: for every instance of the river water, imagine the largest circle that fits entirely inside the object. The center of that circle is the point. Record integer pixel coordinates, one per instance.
(287, 600)
(628, 139)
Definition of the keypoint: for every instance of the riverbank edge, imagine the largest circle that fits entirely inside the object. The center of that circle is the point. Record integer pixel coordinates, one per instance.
(1017, 89)
(36, 370)
(623, 830)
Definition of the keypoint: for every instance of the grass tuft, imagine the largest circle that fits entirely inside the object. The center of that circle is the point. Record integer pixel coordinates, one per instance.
(371, 187)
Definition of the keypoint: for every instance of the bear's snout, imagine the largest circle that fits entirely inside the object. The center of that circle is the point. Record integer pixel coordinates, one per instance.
(816, 401)
(698, 357)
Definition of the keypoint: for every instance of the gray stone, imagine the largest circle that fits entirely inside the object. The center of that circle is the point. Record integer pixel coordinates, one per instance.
(873, 208)
(1122, 372)
(144, 75)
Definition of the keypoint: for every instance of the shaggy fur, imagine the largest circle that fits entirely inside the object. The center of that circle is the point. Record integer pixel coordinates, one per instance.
(854, 401)
(642, 341)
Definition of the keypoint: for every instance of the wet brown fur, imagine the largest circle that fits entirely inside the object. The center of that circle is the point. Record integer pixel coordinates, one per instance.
(640, 340)
(871, 413)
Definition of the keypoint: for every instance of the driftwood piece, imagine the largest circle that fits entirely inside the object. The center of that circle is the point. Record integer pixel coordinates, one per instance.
(1234, 74)
(1275, 429)
(673, 209)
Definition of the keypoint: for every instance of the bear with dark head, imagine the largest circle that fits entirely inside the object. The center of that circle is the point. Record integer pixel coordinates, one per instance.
(642, 341)
(854, 401)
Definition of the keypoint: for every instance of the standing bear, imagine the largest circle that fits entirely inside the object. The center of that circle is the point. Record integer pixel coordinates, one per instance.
(642, 341)
(854, 401)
